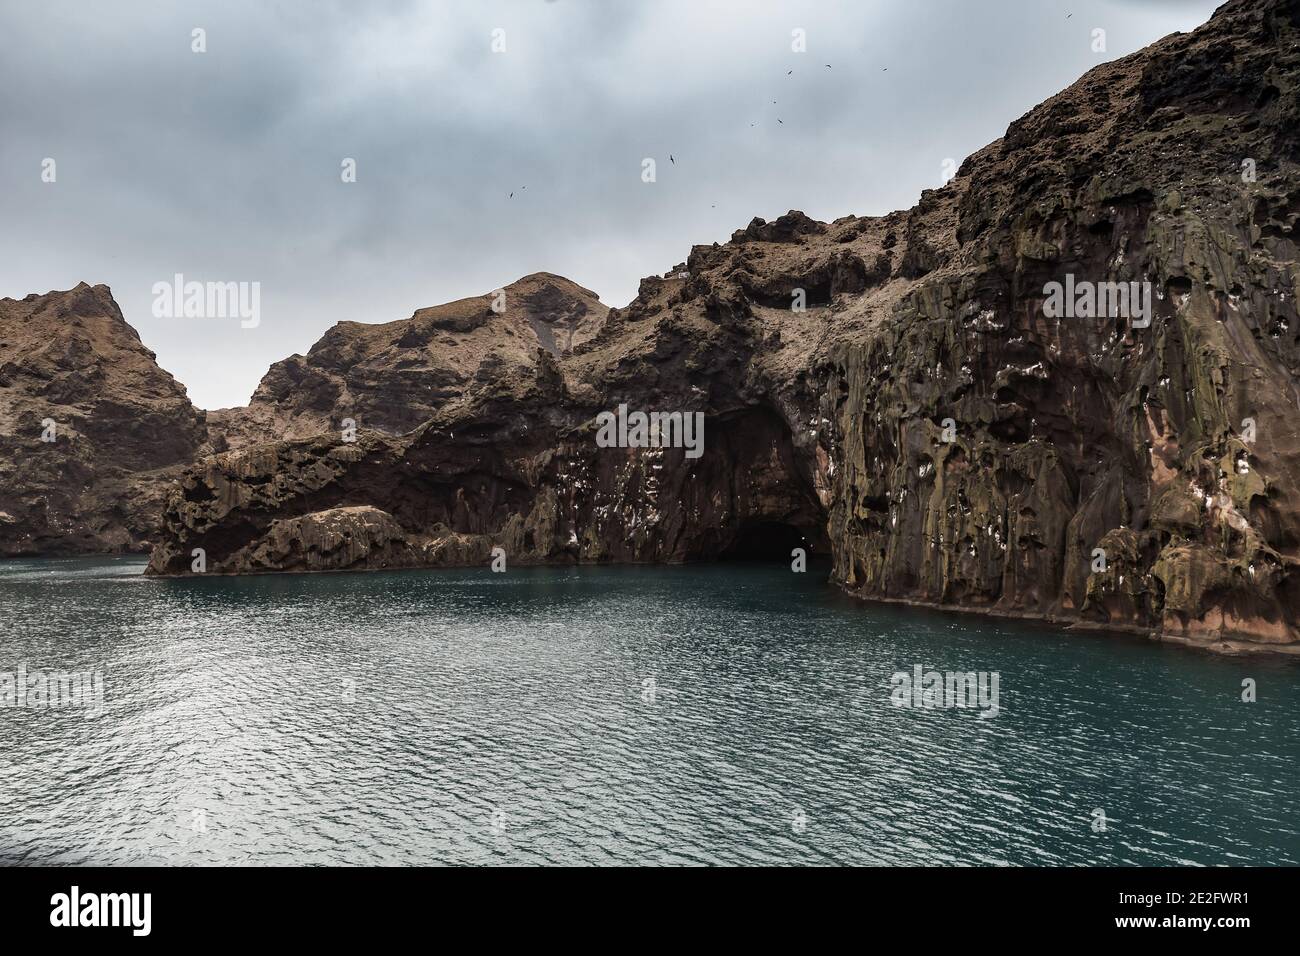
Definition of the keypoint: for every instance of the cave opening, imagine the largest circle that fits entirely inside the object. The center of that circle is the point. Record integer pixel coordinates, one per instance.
(768, 541)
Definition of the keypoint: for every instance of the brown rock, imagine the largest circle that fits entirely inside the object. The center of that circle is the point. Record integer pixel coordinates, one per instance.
(71, 369)
(393, 376)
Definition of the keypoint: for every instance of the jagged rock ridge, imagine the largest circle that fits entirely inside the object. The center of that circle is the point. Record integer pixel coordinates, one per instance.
(393, 376)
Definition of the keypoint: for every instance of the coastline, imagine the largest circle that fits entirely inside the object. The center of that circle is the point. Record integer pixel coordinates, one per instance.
(1223, 647)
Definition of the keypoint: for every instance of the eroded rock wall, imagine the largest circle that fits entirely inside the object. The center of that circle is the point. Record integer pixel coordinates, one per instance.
(1170, 448)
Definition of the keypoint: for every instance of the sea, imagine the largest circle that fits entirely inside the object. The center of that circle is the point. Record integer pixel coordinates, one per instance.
(724, 714)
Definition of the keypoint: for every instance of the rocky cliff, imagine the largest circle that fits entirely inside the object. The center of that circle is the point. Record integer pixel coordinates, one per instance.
(92, 431)
(1063, 386)
(393, 376)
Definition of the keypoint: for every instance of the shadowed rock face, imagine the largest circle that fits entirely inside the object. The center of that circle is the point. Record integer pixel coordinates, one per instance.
(1173, 449)
(73, 371)
(926, 420)
(393, 376)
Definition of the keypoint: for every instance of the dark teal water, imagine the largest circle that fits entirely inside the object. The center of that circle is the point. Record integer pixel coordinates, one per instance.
(471, 717)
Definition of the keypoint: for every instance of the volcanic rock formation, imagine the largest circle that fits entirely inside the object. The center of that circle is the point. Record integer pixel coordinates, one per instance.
(927, 419)
(393, 376)
(92, 431)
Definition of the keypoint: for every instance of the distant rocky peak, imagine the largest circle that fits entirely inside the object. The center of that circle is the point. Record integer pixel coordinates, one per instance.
(561, 313)
(393, 376)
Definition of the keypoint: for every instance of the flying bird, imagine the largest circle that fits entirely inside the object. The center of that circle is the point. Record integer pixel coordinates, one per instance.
(671, 160)
(788, 72)
(781, 121)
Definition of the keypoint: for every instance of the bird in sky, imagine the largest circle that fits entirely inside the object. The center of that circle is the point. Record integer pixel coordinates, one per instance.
(788, 72)
(671, 160)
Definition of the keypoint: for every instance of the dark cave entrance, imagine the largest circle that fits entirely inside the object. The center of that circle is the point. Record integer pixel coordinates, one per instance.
(768, 541)
(754, 496)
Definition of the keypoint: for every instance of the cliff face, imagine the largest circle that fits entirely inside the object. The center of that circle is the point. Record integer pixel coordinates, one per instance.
(1100, 470)
(92, 431)
(939, 419)
(393, 376)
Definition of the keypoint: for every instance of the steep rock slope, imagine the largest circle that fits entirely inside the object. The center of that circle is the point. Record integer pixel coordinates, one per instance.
(929, 419)
(1144, 477)
(122, 428)
(92, 431)
(392, 376)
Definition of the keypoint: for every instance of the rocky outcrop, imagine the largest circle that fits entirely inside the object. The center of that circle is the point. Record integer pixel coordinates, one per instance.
(92, 431)
(393, 376)
(1099, 470)
(902, 393)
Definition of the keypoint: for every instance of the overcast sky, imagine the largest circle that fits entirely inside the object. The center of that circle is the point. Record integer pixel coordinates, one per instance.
(226, 165)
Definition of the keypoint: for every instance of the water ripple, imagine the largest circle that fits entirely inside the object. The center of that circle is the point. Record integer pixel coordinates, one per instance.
(691, 716)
